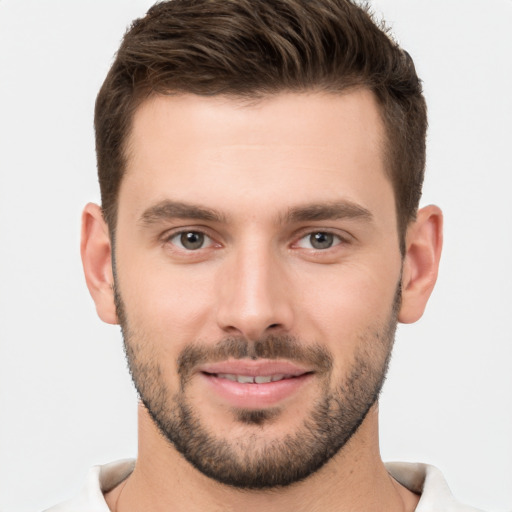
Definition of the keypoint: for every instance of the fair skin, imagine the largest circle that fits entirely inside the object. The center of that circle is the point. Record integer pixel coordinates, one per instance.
(260, 168)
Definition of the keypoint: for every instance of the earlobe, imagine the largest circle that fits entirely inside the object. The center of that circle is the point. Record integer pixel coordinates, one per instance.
(424, 242)
(95, 249)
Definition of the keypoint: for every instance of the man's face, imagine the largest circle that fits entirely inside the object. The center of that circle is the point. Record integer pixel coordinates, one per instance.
(257, 277)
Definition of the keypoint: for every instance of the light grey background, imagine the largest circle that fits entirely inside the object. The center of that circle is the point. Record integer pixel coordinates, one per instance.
(66, 401)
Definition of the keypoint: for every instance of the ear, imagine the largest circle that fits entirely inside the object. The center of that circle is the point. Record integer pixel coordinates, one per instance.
(96, 251)
(424, 240)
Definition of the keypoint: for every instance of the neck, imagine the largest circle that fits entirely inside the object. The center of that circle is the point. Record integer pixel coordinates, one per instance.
(355, 479)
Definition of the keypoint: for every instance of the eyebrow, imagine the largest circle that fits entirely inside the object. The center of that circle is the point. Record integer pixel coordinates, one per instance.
(167, 210)
(328, 211)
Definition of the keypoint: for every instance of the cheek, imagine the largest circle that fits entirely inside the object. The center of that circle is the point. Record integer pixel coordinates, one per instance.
(164, 314)
(349, 291)
(172, 302)
(346, 306)
(143, 282)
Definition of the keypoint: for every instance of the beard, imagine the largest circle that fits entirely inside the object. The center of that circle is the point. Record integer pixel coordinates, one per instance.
(255, 460)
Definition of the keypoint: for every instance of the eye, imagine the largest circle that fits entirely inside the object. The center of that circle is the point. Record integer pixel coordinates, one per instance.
(191, 240)
(319, 240)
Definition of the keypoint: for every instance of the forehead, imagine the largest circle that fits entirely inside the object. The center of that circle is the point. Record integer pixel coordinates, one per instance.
(285, 118)
(280, 149)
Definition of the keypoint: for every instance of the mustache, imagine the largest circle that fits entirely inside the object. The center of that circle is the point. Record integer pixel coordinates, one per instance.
(270, 347)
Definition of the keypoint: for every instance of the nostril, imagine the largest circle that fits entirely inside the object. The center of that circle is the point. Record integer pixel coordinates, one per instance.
(273, 326)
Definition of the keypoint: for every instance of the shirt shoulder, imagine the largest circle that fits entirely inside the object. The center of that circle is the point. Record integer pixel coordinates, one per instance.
(100, 479)
(429, 482)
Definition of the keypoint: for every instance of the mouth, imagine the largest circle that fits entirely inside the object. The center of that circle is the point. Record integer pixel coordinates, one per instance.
(250, 379)
(254, 384)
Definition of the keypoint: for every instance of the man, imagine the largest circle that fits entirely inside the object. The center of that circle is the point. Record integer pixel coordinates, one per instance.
(260, 165)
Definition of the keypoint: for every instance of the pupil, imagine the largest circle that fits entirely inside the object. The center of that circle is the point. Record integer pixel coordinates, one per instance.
(321, 240)
(192, 240)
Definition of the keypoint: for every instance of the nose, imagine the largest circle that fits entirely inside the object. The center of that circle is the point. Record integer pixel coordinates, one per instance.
(254, 296)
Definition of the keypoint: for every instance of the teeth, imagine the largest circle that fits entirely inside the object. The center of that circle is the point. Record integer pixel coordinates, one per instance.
(262, 379)
(248, 379)
(245, 379)
(228, 376)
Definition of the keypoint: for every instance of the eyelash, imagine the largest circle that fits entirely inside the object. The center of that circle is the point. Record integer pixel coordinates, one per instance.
(168, 239)
(335, 238)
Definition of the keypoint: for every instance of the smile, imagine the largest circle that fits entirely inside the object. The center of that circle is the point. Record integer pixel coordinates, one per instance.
(249, 379)
(255, 384)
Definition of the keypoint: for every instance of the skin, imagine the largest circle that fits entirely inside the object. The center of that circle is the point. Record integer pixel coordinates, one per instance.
(253, 164)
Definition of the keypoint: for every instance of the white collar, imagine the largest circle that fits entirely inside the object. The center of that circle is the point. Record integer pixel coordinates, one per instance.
(419, 478)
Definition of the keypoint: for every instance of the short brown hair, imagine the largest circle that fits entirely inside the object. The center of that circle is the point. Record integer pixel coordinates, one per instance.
(253, 48)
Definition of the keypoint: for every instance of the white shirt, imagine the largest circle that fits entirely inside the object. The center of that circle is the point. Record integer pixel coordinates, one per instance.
(419, 478)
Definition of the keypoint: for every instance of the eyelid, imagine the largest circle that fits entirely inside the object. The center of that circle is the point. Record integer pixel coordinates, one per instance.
(167, 236)
(343, 237)
(207, 241)
(336, 241)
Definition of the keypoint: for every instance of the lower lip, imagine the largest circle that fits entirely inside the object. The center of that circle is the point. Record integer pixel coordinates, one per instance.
(255, 396)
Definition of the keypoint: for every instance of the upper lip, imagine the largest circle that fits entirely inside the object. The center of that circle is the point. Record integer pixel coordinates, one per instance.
(254, 368)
